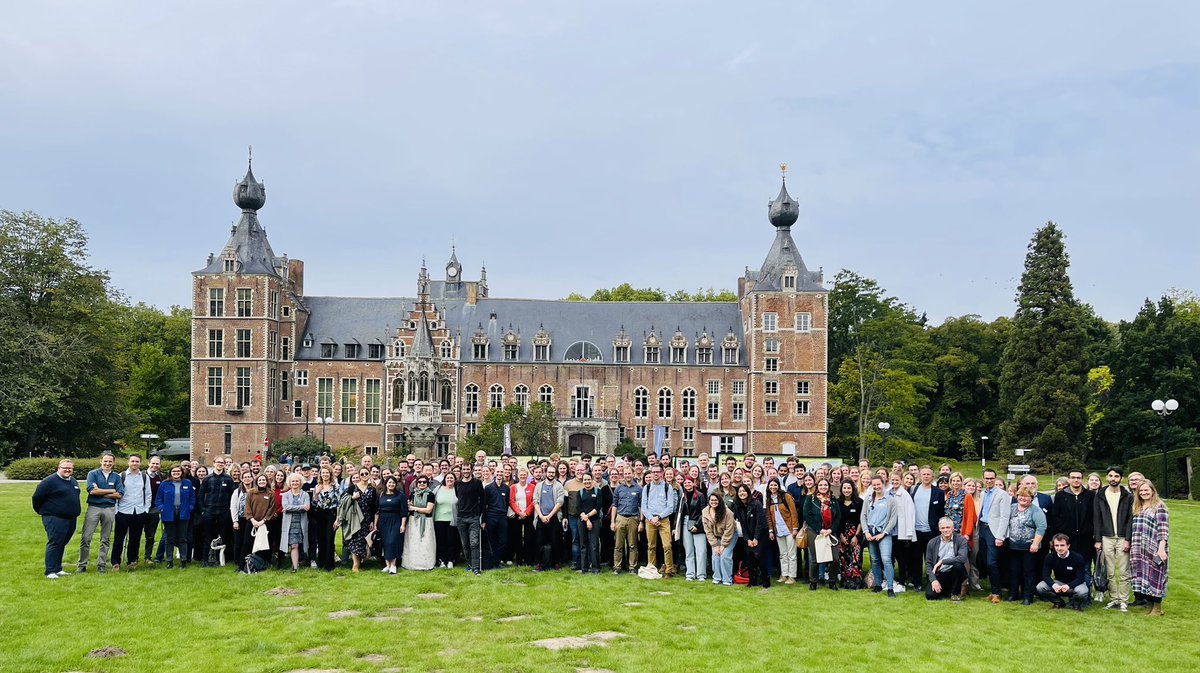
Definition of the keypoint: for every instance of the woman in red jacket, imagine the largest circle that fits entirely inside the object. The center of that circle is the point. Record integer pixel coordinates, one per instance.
(520, 519)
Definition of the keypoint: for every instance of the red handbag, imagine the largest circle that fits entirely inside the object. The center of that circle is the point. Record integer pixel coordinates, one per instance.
(741, 575)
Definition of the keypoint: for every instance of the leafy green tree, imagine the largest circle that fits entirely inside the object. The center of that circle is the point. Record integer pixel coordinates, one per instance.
(966, 368)
(58, 339)
(1157, 357)
(302, 446)
(1043, 384)
(534, 432)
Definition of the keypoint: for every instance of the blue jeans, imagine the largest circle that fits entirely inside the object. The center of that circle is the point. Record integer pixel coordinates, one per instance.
(695, 548)
(723, 564)
(991, 555)
(58, 534)
(573, 527)
(881, 562)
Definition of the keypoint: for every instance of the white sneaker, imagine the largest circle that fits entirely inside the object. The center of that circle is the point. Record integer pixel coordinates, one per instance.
(385, 569)
(312, 564)
(391, 571)
(1112, 605)
(51, 576)
(1123, 608)
(63, 573)
(450, 565)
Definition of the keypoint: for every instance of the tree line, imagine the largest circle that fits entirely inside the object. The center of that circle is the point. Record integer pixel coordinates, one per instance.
(84, 369)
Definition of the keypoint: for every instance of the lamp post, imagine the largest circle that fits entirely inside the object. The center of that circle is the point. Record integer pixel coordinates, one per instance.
(148, 437)
(1164, 409)
(983, 451)
(884, 426)
(324, 423)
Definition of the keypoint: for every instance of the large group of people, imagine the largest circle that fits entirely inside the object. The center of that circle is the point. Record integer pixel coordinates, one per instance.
(736, 521)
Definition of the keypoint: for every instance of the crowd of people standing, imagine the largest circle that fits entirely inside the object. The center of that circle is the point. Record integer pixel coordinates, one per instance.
(737, 522)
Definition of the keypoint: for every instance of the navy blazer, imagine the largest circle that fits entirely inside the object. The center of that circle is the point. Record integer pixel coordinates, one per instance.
(937, 505)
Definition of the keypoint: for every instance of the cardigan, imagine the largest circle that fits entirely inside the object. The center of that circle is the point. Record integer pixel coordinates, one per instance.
(260, 505)
(294, 506)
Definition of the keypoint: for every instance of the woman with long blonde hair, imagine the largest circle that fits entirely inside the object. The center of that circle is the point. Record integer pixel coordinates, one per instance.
(1148, 547)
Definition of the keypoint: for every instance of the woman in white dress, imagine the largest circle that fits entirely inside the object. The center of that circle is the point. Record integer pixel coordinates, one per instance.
(420, 549)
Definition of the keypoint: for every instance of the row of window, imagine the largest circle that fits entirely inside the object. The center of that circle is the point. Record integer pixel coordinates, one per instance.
(243, 344)
(586, 351)
(351, 351)
(244, 303)
(803, 322)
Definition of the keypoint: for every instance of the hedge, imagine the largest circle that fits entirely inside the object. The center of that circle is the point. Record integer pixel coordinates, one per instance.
(1151, 465)
(40, 468)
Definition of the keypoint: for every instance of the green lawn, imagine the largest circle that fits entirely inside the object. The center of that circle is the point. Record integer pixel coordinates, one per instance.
(212, 620)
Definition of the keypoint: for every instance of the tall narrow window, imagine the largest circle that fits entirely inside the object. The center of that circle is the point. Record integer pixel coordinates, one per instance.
(216, 302)
(546, 395)
(641, 402)
(521, 396)
(349, 400)
(245, 302)
(298, 409)
(447, 350)
(541, 352)
(371, 392)
(216, 343)
(496, 396)
(272, 341)
(285, 391)
(447, 397)
(273, 305)
(665, 398)
(688, 403)
(729, 355)
(228, 440)
(471, 400)
(285, 352)
(581, 402)
(770, 322)
(737, 411)
(243, 343)
(423, 388)
(324, 398)
(243, 387)
(214, 386)
(714, 411)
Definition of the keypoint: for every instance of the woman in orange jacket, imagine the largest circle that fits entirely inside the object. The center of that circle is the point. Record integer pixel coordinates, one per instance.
(520, 519)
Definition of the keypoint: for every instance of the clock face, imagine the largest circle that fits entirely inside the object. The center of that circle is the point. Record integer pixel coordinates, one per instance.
(452, 272)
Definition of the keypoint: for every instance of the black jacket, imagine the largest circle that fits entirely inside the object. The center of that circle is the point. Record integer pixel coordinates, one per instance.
(937, 505)
(1102, 525)
(470, 498)
(1073, 515)
(691, 509)
(753, 520)
(214, 493)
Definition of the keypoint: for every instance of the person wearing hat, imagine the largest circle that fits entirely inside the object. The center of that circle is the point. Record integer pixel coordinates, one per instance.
(308, 482)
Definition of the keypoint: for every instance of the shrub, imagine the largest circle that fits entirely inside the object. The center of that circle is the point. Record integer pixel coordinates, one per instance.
(1151, 466)
(40, 468)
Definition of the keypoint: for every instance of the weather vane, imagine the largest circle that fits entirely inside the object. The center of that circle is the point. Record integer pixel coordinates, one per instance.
(783, 168)
(250, 155)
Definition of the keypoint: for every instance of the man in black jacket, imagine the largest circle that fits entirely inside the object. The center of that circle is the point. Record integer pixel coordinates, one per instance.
(495, 517)
(213, 498)
(470, 514)
(1112, 528)
(56, 500)
(1073, 514)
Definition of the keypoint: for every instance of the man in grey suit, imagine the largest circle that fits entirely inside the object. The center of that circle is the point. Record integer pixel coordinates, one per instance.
(945, 563)
(993, 528)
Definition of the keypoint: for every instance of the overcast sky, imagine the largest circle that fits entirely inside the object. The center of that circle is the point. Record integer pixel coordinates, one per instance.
(573, 145)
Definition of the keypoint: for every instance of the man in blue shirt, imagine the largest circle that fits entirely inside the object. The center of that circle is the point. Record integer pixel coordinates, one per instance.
(626, 514)
(658, 503)
(104, 489)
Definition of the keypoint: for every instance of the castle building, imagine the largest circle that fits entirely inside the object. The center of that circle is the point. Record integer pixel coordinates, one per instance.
(417, 374)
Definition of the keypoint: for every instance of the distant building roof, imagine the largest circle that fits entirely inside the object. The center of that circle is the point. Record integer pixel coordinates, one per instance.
(342, 319)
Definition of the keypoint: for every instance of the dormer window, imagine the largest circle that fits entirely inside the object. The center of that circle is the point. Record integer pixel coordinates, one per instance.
(652, 355)
(479, 351)
(447, 350)
(704, 355)
(328, 350)
(789, 282)
(353, 351)
(230, 266)
(678, 355)
(375, 351)
(511, 351)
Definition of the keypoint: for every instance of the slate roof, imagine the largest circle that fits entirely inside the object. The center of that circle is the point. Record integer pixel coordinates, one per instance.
(248, 239)
(343, 319)
(782, 213)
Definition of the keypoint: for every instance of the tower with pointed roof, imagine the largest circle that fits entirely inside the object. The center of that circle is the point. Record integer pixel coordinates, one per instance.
(785, 307)
(246, 305)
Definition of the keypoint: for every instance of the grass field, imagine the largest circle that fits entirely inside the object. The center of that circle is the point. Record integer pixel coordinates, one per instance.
(214, 621)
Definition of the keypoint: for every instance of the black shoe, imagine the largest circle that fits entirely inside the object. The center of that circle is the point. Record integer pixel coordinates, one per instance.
(170, 564)
(812, 586)
(833, 585)
(1011, 599)
(1058, 605)
(891, 594)
(1027, 601)
(876, 589)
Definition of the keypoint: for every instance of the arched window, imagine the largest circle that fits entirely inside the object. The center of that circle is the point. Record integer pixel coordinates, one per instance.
(397, 392)
(582, 351)
(412, 386)
(496, 396)
(665, 397)
(641, 400)
(447, 350)
(423, 393)
(521, 396)
(471, 400)
(546, 395)
(688, 404)
(447, 396)
(398, 348)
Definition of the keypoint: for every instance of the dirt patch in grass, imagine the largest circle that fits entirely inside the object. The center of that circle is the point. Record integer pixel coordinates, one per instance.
(402, 611)
(660, 593)
(342, 614)
(472, 618)
(291, 608)
(598, 639)
(373, 658)
(311, 652)
(513, 618)
(281, 591)
(382, 618)
(431, 596)
(634, 604)
(686, 627)
(109, 652)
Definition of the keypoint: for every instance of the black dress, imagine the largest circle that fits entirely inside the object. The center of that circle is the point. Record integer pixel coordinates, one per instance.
(753, 521)
(393, 510)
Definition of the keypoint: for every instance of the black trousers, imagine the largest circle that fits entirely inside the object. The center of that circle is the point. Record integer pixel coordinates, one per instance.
(951, 580)
(1022, 573)
(215, 524)
(497, 537)
(149, 530)
(446, 536)
(243, 541)
(548, 543)
(321, 535)
(130, 525)
(176, 535)
(918, 559)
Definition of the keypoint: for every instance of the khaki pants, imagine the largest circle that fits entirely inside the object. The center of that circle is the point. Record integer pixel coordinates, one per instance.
(655, 534)
(626, 540)
(105, 518)
(1117, 561)
(787, 556)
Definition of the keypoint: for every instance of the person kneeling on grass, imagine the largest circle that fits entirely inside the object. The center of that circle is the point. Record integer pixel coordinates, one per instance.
(945, 563)
(1064, 575)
